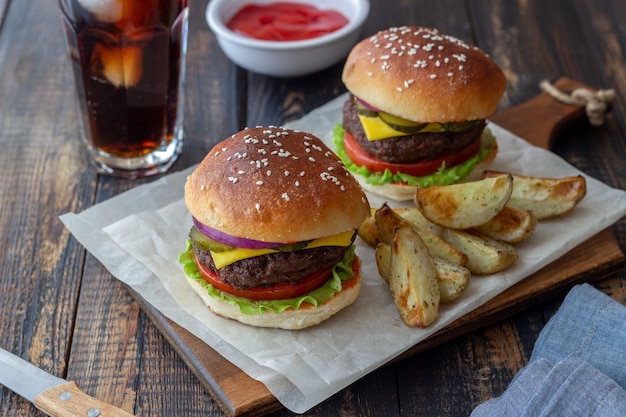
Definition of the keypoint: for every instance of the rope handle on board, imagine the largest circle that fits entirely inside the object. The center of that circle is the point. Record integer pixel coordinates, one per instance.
(596, 104)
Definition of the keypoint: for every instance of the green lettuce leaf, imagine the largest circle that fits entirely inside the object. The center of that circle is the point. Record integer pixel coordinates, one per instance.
(444, 176)
(341, 272)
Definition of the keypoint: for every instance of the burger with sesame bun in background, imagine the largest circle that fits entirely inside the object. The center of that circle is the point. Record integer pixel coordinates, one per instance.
(416, 112)
(275, 214)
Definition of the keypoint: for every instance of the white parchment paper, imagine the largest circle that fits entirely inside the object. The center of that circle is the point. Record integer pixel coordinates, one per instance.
(139, 234)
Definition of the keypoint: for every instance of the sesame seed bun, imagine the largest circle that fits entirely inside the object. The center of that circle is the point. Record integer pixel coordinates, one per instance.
(421, 75)
(275, 185)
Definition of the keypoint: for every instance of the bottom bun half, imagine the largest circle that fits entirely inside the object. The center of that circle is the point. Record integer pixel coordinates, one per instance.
(291, 319)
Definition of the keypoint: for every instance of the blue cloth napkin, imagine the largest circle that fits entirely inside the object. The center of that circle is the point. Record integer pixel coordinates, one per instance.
(578, 364)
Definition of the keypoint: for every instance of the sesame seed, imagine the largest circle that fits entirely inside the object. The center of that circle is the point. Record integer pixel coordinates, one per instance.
(432, 76)
(311, 159)
(259, 183)
(285, 196)
(286, 173)
(269, 172)
(257, 206)
(233, 179)
(202, 187)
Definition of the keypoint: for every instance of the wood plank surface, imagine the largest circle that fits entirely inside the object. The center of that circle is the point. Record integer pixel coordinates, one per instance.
(540, 120)
(60, 309)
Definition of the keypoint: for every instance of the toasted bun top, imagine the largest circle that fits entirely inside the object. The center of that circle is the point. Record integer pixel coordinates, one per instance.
(275, 185)
(421, 75)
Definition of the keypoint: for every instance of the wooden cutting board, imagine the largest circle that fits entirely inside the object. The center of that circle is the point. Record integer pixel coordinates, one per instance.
(539, 121)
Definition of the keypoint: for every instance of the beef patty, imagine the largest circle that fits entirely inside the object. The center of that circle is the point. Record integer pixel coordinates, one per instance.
(412, 148)
(273, 268)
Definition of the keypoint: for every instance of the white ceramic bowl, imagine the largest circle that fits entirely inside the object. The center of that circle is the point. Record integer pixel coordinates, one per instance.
(287, 58)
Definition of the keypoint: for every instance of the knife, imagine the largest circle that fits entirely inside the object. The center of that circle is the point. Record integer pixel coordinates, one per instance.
(54, 396)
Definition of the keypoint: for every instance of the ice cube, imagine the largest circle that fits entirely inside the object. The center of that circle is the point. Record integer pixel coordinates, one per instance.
(104, 10)
(118, 65)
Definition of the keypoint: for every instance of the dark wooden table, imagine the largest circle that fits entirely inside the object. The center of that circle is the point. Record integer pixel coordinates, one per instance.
(60, 309)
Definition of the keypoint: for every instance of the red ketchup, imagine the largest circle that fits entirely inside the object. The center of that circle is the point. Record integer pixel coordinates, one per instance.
(285, 21)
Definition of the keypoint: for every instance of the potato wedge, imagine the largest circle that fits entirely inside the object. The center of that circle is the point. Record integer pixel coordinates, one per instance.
(413, 280)
(453, 279)
(383, 260)
(465, 205)
(510, 225)
(545, 197)
(388, 221)
(367, 230)
(414, 216)
(486, 255)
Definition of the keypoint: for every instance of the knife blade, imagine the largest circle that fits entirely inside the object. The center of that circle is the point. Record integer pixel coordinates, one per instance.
(54, 396)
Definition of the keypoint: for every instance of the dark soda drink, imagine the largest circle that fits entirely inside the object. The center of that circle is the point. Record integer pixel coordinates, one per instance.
(128, 58)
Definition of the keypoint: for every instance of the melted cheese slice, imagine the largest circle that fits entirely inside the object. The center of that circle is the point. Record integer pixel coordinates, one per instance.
(222, 259)
(375, 128)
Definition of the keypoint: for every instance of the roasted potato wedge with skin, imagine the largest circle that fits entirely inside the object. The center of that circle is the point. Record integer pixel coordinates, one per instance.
(486, 255)
(414, 216)
(510, 225)
(367, 231)
(545, 197)
(465, 205)
(383, 260)
(413, 280)
(453, 279)
(388, 221)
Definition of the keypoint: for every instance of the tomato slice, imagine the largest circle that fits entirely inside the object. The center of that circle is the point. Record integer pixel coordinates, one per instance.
(358, 155)
(279, 291)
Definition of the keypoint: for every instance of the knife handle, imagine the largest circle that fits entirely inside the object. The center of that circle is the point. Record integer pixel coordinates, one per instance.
(67, 400)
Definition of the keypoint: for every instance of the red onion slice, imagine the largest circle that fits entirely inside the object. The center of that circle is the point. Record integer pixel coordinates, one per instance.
(367, 105)
(230, 240)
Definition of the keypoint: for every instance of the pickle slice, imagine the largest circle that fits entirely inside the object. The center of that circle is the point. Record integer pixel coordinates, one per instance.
(364, 111)
(400, 124)
(206, 243)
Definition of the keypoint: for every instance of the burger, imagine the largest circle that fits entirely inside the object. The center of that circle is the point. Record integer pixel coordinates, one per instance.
(275, 214)
(416, 111)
